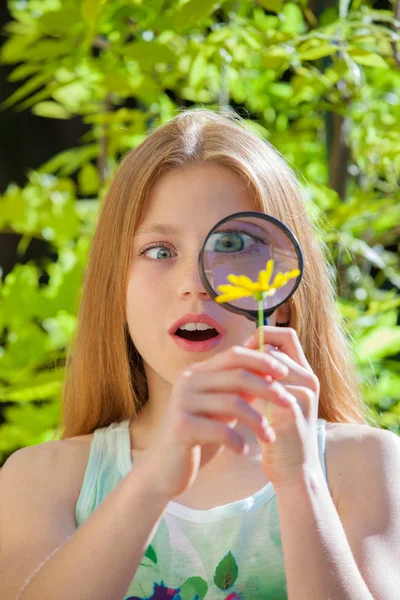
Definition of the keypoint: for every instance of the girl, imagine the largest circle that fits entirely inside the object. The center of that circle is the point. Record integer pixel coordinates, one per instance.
(167, 481)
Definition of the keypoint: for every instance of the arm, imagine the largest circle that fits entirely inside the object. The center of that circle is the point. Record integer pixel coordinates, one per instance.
(101, 558)
(332, 557)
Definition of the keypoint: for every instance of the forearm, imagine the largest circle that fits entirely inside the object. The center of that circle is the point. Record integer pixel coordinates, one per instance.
(319, 563)
(101, 558)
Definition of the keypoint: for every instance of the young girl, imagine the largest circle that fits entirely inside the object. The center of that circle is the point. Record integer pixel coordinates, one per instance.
(167, 483)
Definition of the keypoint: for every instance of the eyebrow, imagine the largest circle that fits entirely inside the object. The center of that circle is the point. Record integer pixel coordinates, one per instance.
(157, 228)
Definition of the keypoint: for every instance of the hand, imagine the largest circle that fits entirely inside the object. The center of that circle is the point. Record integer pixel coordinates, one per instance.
(207, 401)
(294, 444)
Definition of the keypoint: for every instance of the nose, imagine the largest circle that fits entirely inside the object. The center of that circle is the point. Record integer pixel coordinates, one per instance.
(189, 281)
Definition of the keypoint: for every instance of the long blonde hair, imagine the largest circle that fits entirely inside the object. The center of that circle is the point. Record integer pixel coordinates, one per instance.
(104, 375)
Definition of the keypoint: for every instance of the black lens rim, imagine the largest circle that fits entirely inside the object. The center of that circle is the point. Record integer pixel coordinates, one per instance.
(251, 314)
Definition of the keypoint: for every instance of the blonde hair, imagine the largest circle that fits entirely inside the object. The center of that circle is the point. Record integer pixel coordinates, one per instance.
(104, 375)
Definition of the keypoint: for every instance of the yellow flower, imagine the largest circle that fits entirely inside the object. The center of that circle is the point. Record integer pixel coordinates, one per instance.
(243, 286)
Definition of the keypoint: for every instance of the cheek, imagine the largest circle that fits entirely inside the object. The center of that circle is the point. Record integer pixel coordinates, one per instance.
(146, 304)
(244, 329)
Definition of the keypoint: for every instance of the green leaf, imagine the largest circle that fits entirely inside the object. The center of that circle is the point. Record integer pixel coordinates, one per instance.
(378, 343)
(91, 10)
(281, 90)
(68, 161)
(276, 58)
(14, 49)
(318, 52)
(48, 50)
(194, 587)
(366, 58)
(358, 246)
(148, 54)
(226, 572)
(88, 180)
(51, 110)
(73, 95)
(293, 19)
(23, 71)
(30, 86)
(151, 554)
(272, 5)
(198, 70)
(61, 21)
(194, 12)
(33, 391)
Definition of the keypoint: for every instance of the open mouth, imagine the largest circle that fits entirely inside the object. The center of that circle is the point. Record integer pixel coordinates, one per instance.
(197, 336)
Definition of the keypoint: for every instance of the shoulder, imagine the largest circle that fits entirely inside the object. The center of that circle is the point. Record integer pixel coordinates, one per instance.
(59, 464)
(73, 455)
(362, 462)
(367, 464)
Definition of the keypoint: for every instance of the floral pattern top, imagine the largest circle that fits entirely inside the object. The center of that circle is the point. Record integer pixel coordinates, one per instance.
(230, 552)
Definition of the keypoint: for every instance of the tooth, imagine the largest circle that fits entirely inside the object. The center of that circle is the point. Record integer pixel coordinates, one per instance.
(188, 327)
(195, 326)
(203, 326)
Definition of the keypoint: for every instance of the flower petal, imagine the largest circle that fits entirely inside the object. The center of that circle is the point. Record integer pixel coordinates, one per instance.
(263, 280)
(225, 288)
(234, 290)
(235, 294)
(243, 281)
(269, 269)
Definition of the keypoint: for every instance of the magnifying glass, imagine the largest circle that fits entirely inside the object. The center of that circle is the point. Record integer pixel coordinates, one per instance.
(242, 244)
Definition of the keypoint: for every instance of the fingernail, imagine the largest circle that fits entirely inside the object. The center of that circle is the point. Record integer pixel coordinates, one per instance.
(265, 424)
(268, 432)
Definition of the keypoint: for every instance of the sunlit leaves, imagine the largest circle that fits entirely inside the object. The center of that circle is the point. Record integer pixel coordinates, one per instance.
(50, 110)
(378, 343)
(368, 59)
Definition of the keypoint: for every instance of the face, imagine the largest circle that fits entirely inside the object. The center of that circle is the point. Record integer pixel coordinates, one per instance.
(164, 281)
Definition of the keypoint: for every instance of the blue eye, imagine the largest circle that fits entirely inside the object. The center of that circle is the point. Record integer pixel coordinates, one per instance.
(233, 241)
(144, 252)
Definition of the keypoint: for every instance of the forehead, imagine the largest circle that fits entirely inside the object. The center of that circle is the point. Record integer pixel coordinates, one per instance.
(206, 192)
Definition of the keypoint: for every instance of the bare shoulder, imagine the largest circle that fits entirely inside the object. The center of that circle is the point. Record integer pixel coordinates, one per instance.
(39, 487)
(73, 455)
(358, 458)
(61, 461)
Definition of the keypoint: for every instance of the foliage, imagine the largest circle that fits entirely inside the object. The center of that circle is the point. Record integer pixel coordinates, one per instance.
(323, 88)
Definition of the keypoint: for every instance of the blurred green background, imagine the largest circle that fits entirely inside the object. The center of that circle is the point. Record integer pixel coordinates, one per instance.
(82, 81)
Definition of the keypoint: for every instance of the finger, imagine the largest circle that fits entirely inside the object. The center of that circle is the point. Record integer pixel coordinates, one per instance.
(306, 398)
(200, 430)
(231, 407)
(284, 339)
(246, 358)
(242, 382)
(297, 375)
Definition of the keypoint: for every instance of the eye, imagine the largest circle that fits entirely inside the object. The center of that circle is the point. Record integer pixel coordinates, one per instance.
(231, 241)
(159, 252)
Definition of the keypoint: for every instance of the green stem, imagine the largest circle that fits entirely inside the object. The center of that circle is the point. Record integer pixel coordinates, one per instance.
(260, 325)
(261, 340)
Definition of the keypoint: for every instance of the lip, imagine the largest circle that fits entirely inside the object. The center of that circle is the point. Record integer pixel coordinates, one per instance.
(197, 346)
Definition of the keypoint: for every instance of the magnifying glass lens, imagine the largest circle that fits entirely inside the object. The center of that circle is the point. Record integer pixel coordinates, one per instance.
(242, 246)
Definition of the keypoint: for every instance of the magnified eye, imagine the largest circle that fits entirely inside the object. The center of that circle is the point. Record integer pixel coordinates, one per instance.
(230, 241)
